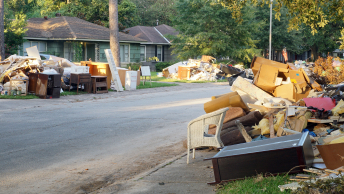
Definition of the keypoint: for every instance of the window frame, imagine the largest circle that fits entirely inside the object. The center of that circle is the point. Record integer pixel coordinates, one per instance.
(145, 53)
(157, 54)
(38, 47)
(124, 53)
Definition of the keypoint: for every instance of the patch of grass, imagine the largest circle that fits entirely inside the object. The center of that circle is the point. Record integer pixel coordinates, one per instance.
(29, 96)
(258, 184)
(154, 85)
(66, 93)
(163, 79)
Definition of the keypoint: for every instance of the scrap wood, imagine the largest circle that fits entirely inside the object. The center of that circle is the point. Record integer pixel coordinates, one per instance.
(243, 131)
(11, 69)
(330, 138)
(303, 176)
(271, 126)
(314, 171)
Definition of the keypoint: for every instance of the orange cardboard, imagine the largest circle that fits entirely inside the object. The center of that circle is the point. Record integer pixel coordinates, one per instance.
(258, 61)
(266, 78)
(289, 91)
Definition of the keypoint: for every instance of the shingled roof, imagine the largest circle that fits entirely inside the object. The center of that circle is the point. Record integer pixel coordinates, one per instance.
(153, 34)
(71, 28)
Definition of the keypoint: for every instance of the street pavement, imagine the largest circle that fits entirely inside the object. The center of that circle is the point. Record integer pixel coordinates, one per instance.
(99, 143)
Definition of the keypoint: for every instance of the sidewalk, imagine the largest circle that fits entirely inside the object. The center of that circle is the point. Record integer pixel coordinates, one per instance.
(173, 177)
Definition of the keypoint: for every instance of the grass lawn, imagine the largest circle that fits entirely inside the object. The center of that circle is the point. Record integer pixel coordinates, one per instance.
(163, 79)
(258, 184)
(29, 96)
(154, 85)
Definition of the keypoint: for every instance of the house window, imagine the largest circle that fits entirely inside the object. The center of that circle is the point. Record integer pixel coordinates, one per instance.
(68, 50)
(41, 46)
(142, 53)
(158, 52)
(124, 53)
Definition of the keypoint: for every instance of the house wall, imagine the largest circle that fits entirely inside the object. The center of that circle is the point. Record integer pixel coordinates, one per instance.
(168, 54)
(56, 48)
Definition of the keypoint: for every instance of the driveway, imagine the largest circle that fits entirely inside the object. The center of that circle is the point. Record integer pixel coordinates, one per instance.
(79, 144)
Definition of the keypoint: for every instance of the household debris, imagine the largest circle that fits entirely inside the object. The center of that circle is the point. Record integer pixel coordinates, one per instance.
(281, 101)
(203, 70)
(28, 75)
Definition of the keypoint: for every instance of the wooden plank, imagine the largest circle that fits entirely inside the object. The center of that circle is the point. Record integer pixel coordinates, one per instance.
(271, 126)
(329, 139)
(313, 171)
(115, 77)
(259, 107)
(303, 176)
(324, 120)
(243, 131)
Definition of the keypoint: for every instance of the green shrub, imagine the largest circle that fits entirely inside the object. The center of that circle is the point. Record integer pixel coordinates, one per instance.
(134, 66)
(162, 65)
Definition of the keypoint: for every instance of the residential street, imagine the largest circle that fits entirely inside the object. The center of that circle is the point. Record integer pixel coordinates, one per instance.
(79, 144)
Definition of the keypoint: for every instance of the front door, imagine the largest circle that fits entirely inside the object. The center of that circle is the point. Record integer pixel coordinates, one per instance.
(91, 52)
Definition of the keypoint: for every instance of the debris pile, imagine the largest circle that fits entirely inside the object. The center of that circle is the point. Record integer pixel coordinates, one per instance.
(15, 72)
(282, 100)
(202, 70)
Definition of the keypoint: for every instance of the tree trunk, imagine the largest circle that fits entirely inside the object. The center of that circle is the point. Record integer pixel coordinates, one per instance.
(2, 35)
(114, 31)
(314, 53)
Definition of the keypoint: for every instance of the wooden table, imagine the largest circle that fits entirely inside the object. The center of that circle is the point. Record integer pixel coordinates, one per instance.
(99, 82)
(81, 78)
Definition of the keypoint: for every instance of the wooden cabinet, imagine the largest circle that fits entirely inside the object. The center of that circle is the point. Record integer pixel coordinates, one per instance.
(99, 84)
(81, 78)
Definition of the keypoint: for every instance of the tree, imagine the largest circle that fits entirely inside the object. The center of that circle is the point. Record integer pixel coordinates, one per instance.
(313, 14)
(114, 31)
(2, 35)
(14, 33)
(127, 14)
(208, 29)
(281, 38)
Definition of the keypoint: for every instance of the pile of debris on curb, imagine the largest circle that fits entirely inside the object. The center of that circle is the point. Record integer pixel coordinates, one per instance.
(203, 70)
(281, 121)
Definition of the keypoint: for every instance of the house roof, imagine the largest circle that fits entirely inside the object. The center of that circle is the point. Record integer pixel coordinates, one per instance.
(65, 27)
(153, 34)
(166, 30)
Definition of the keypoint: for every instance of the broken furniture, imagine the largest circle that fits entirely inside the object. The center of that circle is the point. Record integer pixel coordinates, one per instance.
(274, 155)
(198, 131)
(231, 99)
(45, 85)
(99, 84)
(81, 78)
(184, 72)
(99, 69)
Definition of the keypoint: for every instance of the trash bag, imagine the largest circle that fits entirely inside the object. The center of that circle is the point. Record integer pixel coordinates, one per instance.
(234, 77)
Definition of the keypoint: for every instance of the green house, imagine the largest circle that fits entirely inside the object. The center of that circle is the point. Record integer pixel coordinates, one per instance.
(78, 40)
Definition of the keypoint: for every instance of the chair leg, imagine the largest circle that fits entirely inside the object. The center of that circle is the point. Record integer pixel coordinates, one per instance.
(188, 155)
(193, 154)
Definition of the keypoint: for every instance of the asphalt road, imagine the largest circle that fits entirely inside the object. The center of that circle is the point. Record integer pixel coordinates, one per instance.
(79, 144)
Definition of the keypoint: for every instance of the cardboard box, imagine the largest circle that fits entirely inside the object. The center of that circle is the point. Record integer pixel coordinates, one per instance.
(258, 61)
(289, 91)
(266, 78)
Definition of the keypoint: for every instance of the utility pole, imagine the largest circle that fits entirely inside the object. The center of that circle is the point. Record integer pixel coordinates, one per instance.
(114, 30)
(270, 30)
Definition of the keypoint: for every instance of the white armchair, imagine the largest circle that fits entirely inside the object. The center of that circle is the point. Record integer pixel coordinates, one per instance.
(198, 131)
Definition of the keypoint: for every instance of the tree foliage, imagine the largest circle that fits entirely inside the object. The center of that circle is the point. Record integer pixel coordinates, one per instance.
(313, 14)
(210, 30)
(152, 10)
